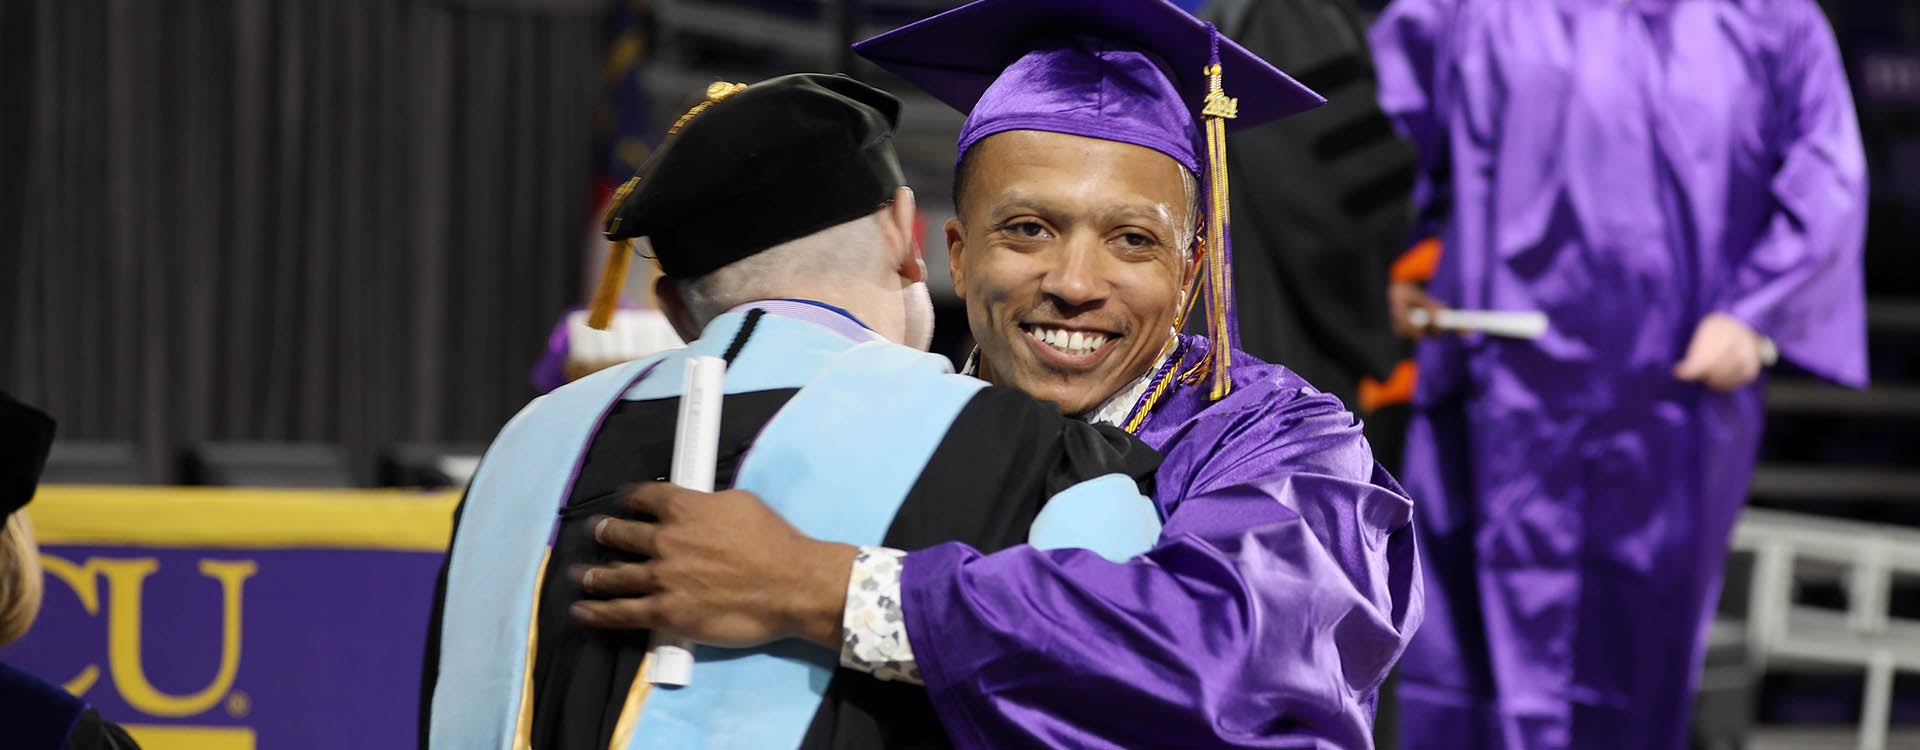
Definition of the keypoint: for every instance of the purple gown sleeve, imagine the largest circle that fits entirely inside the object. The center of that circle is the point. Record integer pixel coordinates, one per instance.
(550, 372)
(1408, 42)
(1282, 589)
(1801, 282)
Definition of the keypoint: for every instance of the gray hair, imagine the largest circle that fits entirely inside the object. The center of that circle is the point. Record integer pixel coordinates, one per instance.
(839, 256)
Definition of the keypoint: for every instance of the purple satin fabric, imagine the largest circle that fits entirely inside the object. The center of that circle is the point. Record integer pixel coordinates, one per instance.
(1066, 62)
(1628, 168)
(1089, 87)
(1284, 586)
(550, 371)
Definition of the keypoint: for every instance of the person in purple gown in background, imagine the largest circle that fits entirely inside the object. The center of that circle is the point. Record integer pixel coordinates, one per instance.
(1285, 584)
(1680, 187)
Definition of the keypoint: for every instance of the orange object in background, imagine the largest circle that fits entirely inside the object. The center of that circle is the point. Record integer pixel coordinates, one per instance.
(1375, 395)
(1416, 265)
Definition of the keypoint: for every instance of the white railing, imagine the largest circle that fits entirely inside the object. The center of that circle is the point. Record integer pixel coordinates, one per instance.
(1865, 635)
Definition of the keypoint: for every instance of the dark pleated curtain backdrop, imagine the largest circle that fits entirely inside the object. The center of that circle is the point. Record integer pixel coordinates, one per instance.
(337, 221)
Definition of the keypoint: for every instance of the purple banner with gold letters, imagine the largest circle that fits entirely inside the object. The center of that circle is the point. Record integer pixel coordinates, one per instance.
(217, 619)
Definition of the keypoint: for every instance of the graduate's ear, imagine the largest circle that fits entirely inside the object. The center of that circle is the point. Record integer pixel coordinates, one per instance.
(667, 292)
(956, 247)
(1196, 255)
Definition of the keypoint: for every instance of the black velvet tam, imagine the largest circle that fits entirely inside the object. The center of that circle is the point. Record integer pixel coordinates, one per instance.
(756, 166)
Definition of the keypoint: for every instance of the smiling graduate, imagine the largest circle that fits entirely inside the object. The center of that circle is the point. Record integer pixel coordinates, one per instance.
(1284, 583)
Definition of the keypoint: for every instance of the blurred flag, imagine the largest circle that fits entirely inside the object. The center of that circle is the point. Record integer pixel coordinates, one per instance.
(626, 131)
(624, 138)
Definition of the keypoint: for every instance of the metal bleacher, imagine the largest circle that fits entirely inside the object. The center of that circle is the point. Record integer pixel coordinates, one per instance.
(1825, 578)
(1784, 633)
(1816, 431)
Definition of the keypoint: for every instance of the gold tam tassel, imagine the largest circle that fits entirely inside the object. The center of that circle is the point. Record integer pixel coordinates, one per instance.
(1217, 109)
(606, 295)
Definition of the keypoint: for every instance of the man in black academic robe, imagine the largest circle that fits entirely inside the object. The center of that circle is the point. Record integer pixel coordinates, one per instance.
(999, 458)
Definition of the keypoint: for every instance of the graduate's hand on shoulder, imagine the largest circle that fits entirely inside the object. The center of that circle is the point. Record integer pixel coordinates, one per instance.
(1725, 354)
(724, 570)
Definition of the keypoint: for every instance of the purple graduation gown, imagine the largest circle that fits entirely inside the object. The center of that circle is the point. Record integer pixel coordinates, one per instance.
(1283, 587)
(550, 371)
(1628, 167)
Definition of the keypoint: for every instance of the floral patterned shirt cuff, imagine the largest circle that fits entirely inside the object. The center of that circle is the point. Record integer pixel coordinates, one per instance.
(876, 633)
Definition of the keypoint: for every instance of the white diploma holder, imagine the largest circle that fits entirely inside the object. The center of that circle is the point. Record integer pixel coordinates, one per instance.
(1513, 324)
(696, 441)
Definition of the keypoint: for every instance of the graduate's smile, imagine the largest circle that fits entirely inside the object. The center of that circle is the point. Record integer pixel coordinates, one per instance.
(1072, 260)
(1067, 347)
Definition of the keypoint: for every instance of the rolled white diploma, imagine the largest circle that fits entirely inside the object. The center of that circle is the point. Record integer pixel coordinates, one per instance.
(696, 441)
(1514, 324)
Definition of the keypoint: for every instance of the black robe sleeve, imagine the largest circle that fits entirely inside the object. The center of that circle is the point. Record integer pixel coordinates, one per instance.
(92, 732)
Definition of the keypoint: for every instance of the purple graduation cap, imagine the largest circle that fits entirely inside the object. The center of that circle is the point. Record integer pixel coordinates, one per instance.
(1143, 72)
